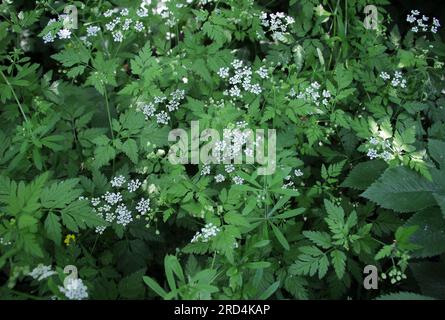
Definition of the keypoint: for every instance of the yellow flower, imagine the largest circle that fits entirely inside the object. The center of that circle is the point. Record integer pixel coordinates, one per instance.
(69, 238)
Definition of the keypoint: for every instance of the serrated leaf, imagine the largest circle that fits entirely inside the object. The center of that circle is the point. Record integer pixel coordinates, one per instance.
(401, 190)
(364, 174)
(321, 239)
(53, 228)
(339, 262)
(130, 148)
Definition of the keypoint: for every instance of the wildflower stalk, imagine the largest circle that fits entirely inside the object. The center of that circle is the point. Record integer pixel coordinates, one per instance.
(15, 96)
(107, 104)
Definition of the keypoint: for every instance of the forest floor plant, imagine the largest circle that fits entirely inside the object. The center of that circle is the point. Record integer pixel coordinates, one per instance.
(92, 207)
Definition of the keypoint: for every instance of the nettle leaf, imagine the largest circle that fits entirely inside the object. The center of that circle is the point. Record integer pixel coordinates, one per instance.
(364, 174)
(430, 233)
(401, 190)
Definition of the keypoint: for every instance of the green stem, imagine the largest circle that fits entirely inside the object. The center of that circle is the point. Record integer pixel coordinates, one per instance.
(109, 114)
(15, 96)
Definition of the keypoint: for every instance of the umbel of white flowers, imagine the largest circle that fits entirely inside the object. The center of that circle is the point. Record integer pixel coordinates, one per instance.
(226, 151)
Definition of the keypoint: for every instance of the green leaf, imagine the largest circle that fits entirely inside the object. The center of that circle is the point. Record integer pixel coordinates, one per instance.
(430, 233)
(155, 286)
(71, 56)
(401, 190)
(280, 237)
(269, 291)
(102, 155)
(364, 174)
(58, 195)
(130, 148)
(236, 219)
(339, 262)
(436, 149)
(53, 228)
(321, 239)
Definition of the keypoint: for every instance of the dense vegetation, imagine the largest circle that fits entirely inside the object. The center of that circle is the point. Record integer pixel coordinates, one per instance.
(91, 205)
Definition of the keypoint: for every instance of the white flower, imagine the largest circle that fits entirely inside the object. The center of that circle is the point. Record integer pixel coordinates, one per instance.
(139, 26)
(207, 232)
(100, 229)
(255, 89)
(92, 31)
(108, 13)
(64, 34)
(112, 197)
(219, 178)
(133, 185)
(384, 75)
(235, 92)
(75, 289)
(262, 72)
(298, 172)
(143, 206)
(372, 154)
(126, 24)
(118, 36)
(229, 168)
(142, 12)
(420, 23)
(205, 170)
(373, 140)
(123, 215)
(118, 181)
(162, 117)
(223, 72)
(148, 110)
(48, 38)
(41, 272)
(95, 202)
(124, 12)
(238, 180)
(386, 156)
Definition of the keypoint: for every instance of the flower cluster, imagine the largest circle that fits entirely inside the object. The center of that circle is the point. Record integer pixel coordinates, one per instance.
(75, 289)
(422, 23)
(277, 24)
(207, 232)
(241, 79)
(313, 94)
(397, 79)
(171, 104)
(56, 30)
(379, 148)
(111, 207)
(42, 272)
(229, 149)
(121, 22)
